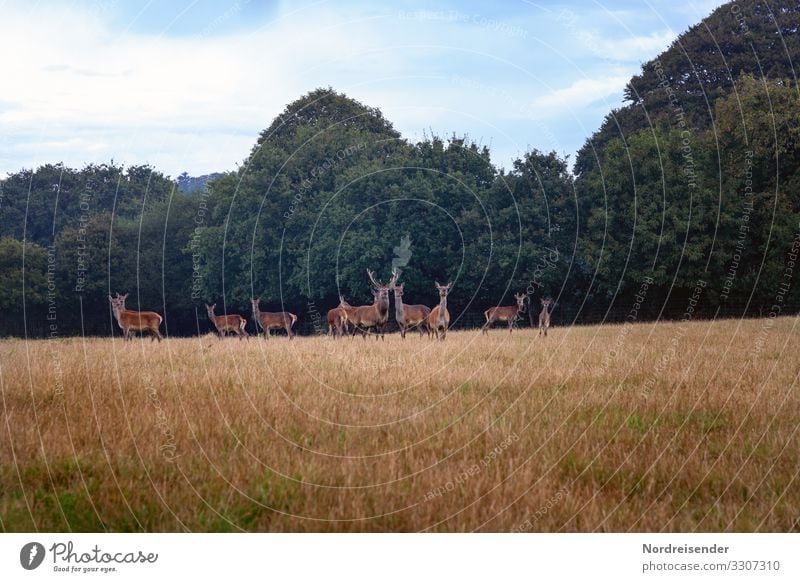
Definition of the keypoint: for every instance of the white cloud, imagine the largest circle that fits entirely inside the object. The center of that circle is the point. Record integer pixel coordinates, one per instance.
(73, 80)
(80, 89)
(635, 48)
(577, 96)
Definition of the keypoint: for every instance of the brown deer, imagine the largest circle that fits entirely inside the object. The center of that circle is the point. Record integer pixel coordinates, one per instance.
(439, 318)
(509, 313)
(364, 317)
(337, 321)
(409, 316)
(130, 321)
(272, 320)
(351, 313)
(544, 316)
(382, 301)
(226, 323)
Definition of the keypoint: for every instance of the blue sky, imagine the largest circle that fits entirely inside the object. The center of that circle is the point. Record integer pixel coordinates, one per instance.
(187, 85)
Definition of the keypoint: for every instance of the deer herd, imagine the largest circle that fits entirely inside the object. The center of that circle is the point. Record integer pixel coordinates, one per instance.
(344, 318)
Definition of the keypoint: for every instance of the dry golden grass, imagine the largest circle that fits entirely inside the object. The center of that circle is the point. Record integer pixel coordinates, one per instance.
(647, 427)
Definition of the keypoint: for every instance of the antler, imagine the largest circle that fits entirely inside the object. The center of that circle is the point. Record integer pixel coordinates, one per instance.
(372, 278)
(395, 276)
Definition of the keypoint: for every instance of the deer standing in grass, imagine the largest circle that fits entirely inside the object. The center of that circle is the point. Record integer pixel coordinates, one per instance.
(544, 316)
(130, 321)
(509, 313)
(226, 323)
(382, 301)
(439, 318)
(337, 321)
(364, 317)
(409, 316)
(272, 320)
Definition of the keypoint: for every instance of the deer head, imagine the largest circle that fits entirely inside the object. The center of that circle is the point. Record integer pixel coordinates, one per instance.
(520, 297)
(443, 289)
(382, 290)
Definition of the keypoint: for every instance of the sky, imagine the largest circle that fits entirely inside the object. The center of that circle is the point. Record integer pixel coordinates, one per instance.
(187, 85)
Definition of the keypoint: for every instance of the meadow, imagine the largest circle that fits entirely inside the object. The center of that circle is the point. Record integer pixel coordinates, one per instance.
(667, 426)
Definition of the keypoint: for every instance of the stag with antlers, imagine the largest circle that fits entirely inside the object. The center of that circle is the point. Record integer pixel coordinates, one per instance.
(409, 316)
(439, 318)
(508, 313)
(364, 317)
(272, 320)
(130, 321)
(381, 295)
(544, 316)
(227, 323)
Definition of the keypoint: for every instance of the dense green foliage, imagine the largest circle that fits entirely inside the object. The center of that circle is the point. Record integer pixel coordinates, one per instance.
(696, 179)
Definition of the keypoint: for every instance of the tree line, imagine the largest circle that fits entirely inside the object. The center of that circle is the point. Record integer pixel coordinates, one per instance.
(694, 183)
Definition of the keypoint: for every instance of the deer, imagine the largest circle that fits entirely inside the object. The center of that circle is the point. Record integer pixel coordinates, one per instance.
(439, 318)
(409, 316)
(337, 321)
(226, 323)
(130, 321)
(382, 301)
(272, 320)
(376, 315)
(351, 313)
(508, 313)
(544, 316)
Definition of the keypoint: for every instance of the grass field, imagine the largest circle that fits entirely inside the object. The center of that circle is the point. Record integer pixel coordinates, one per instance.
(646, 427)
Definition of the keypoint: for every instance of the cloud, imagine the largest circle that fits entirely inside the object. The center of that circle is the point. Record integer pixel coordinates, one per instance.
(576, 96)
(85, 85)
(74, 79)
(635, 48)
